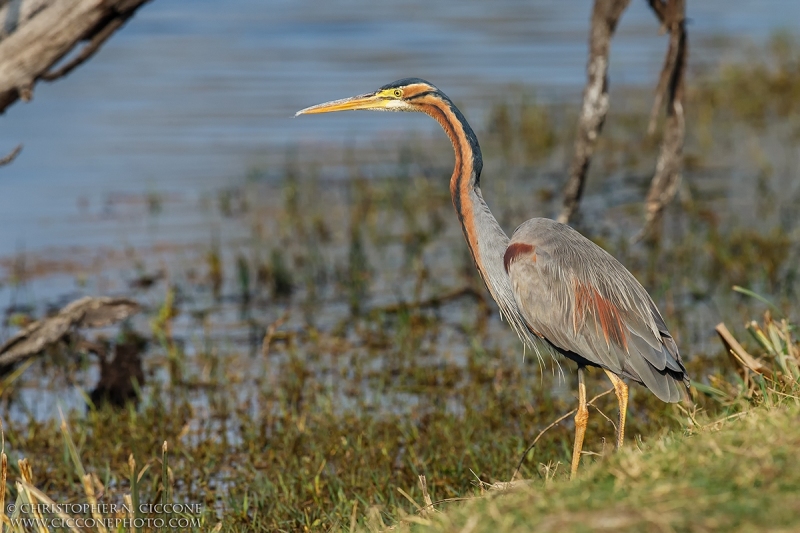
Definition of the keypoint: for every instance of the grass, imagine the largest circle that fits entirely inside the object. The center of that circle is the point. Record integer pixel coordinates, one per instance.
(732, 473)
(735, 475)
(367, 382)
(34, 510)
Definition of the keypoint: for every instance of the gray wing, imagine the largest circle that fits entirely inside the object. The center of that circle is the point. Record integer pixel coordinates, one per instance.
(584, 302)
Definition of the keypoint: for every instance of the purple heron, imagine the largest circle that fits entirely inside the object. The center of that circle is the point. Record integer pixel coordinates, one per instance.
(556, 288)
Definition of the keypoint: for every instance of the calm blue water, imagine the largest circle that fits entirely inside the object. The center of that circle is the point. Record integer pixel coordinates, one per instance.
(192, 93)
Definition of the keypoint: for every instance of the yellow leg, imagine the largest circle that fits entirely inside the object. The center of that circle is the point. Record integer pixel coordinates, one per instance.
(581, 420)
(622, 397)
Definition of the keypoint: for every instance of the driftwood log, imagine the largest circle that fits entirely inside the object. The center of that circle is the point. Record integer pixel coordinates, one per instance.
(86, 312)
(35, 35)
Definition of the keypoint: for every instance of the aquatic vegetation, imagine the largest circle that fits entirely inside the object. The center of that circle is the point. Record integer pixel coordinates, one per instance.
(758, 91)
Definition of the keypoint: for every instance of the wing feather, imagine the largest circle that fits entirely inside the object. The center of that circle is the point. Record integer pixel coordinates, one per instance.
(584, 302)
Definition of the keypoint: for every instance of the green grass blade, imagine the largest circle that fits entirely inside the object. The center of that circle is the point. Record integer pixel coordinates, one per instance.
(71, 448)
(134, 493)
(748, 292)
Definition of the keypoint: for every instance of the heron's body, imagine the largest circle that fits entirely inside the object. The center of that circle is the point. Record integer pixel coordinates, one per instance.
(554, 286)
(589, 307)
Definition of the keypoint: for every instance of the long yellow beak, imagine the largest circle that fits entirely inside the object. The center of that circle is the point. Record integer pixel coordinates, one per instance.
(364, 101)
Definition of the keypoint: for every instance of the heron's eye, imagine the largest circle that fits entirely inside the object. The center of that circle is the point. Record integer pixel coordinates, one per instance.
(398, 93)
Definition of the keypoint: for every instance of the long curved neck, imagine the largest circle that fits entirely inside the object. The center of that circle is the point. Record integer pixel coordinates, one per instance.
(469, 162)
(486, 239)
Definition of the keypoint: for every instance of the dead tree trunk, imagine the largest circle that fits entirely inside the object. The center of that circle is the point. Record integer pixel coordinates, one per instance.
(37, 34)
(667, 176)
(605, 15)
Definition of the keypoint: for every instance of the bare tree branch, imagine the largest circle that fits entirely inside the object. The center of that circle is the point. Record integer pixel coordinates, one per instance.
(15, 13)
(93, 46)
(11, 156)
(667, 176)
(42, 32)
(605, 15)
(660, 9)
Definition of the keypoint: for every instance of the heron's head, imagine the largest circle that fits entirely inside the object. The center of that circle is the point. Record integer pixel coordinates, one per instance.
(403, 95)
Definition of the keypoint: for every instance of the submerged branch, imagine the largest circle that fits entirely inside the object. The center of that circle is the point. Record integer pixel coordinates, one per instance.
(434, 301)
(272, 330)
(11, 155)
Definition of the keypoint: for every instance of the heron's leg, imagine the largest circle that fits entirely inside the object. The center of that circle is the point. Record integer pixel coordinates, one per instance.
(581, 420)
(622, 396)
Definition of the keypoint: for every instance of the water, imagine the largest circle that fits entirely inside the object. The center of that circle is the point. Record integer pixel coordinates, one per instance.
(193, 93)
